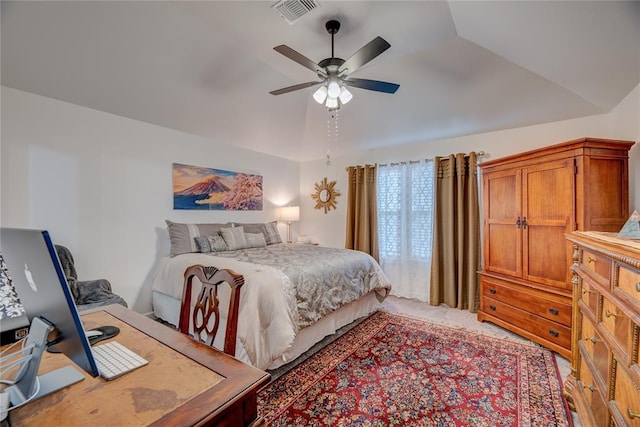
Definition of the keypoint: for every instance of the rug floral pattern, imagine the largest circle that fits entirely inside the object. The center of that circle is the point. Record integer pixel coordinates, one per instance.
(396, 370)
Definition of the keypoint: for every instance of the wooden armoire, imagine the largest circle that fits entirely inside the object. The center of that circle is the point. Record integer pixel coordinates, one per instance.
(529, 202)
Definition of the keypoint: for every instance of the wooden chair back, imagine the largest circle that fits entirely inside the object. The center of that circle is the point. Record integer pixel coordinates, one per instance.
(207, 305)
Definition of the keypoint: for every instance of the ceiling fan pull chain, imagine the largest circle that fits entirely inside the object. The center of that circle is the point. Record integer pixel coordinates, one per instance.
(329, 139)
(331, 133)
(336, 123)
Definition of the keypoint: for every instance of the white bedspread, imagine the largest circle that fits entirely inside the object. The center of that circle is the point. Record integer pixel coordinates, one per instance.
(269, 317)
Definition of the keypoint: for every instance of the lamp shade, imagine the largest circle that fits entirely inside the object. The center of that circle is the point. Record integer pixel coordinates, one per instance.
(290, 213)
(320, 95)
(345, 95)
(332, 103)
(333, 89)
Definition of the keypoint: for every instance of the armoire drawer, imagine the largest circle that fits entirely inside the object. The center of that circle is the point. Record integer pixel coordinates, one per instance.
(545, 329)
(543, 307)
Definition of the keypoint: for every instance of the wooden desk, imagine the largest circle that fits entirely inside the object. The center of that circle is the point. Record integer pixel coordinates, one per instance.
(185, 383)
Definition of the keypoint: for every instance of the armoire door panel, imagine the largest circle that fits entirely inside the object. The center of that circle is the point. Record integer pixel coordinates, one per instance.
(548, 262)
(548, 206)
(503, 254)
(606, 194)
(502, 191)
(503, 242)
(548, 190)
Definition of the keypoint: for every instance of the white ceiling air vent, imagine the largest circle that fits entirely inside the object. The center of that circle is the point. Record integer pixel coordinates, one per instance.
(292, 10)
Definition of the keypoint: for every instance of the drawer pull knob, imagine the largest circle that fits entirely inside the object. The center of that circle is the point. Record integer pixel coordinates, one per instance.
(591, 388)
(592, 339)
(553, 311)
(610, 314)
(492, 291)
(633, 414)
(591, 259)
(553, 333)
(638, 286)
(518, 222)
(492, 307)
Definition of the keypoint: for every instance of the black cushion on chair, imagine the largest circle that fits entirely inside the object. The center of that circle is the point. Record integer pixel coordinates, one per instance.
(90, 293)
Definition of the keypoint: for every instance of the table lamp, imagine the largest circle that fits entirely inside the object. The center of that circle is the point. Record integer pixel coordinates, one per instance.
(289, 214)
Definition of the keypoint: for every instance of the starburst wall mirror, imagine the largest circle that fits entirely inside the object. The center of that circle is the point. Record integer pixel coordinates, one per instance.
(325, 195)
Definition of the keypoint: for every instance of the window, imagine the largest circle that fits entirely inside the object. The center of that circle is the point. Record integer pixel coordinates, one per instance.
(405, 226)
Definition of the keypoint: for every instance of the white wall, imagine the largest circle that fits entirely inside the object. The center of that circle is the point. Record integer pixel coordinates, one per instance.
(329, 229)
(624, 123)
(101, 184)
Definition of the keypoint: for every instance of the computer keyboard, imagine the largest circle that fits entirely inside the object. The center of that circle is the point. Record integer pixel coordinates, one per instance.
(114, 359)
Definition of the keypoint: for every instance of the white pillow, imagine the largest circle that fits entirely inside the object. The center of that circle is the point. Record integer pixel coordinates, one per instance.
(273, 235)
(255, 240)
(234, 238)
(217, 243)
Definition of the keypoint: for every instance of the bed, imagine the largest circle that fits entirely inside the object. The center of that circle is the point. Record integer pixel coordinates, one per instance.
(293, 294)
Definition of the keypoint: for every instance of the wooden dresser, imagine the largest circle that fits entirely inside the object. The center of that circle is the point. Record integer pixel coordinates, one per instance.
(604, 385)
(530, 201)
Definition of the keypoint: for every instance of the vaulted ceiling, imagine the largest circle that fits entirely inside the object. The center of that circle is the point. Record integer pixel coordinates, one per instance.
(206, 67)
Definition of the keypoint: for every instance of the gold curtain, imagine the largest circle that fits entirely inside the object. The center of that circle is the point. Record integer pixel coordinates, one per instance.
(362, 210)
(456, 235)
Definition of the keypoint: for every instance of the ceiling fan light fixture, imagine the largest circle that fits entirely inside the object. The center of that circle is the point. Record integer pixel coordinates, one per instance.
(320, 95)
(333, 89)
(334, 71)
(345, 95)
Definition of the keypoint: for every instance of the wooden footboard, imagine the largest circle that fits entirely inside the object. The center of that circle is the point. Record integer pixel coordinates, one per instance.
(206, 312)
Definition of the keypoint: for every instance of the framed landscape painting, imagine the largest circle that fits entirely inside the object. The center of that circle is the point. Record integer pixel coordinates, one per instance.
(196, 187)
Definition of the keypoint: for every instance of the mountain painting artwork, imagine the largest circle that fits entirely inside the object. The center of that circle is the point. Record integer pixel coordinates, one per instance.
(196, 187)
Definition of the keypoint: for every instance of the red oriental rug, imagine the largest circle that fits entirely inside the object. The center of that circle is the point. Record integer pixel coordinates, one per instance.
(396, 370)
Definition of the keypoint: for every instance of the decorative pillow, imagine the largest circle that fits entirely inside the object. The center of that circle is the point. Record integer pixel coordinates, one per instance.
(203, 245)
(234, 238)
(269, 230)
(182, 236)
(273, 235)
(217, 244)
(252, 228)
(255, 240)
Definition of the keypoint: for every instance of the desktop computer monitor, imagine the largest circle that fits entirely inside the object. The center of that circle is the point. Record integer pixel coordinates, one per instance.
(34, 269)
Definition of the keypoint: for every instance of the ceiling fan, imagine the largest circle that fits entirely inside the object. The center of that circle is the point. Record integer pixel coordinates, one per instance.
(335, 72)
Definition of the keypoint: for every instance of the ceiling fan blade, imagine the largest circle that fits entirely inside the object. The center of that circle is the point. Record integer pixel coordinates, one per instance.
(300, 59)
(372, 85)
(368, 52)
(294, 87)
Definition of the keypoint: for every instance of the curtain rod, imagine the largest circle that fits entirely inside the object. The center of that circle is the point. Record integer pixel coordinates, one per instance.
(478, 154)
